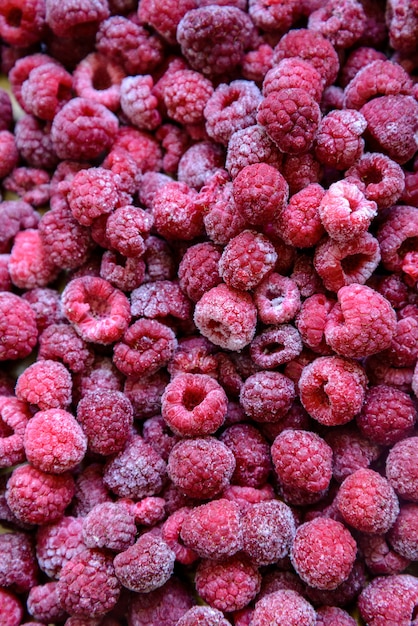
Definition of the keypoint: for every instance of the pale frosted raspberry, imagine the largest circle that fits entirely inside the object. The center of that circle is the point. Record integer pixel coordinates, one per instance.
(267, 396)
(341, 23)
(29, 264)
(389, 599)
(401, 468)
(276, 345)
(251, 452)
(11, 607)
(402, 22)
(42, 603)
(338, 142)
(204, 616)
(162, 607)
(379, 556)
(19, 568)
(47, 88)
(47, 384)
(199, 163)
(57, 543)
(176, 213)
(248, 146)
(185, 94)
(160, 299)
(14, 417)
(277, 299)
(378, 177)
(198, 270)
(293, 72)
(284, 607)
(18, 327)
(246, 260)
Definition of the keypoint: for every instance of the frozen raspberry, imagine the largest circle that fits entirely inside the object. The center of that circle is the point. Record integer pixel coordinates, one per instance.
(89, 490)
(246, 497)
(277, 580)
(267, 396)
(191, 463)
(22, 23)
(246, 259)
(251, 452)
(176, 214)
(276, 345)
(9, 153)
(194, 405)
(213, 38)
(291, 118)
(171, 530)
(314, 554)
(18, 327)
(101, 375)
(105, 416)
(110, 526)
(343, 263)
(277, 299)
(164, 17)
(227, 317)
(260, 193)
(342, 24)
(159, 259)
(382, 373)
(162, 607)
(34, 142)
(74, 19)
(379, 557)
(47, 88)
(138, 102)
(333, 615)
(351, 451)
(293, 72)
(356, 60)
(389, 599)
(145, 394)
(198, 270)
(156, 432)
(203, 616)
(361, 323)
(222, 218)
(46, 384)
(379, 78)
(311, 321)
(19, 569)
(402, 22)
(306, 277)
(216, 583)
(86, 185)
(21, 68)
(60, 342)
(199, 163)
(338, 141)
(98, 79)
(302, 460)
(15, 215)
(29, 264)
(135, 472)
(14, 417)
(401, 468)
(160, 299)
(129, 44)
(36, 497)
(6, 111)
(127, 175)
(83, 129)
(310, 46)
(194, 355)
(249, 146)
(42, 603)
(368, 502)
(185, 95)
(300, 224)
(10, 608)
(149, 511)
(88, 586)
(301, 170)
(404, 533)
(278, 16)
(174, 142)
(57, 543)
(99, 312)
(123, 273)
(396, 236)
(345, 593)
(283, 607)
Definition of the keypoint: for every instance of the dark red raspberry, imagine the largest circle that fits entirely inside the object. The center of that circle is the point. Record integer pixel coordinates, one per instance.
(57, 543)
(351, 451)
(46, 384)
(249, 146)
(14, 417)
(96, 78)
(291, 118)
(42, 603)
(72, 18)
(17, 327)
(379, 78)
(160, 299)
(109, 526)
(227, 317)
(268, 531)
(389, 598)
(174, 141)
(342, 24)
(36, 497)
(260, 193)
(401, 468)
(301, 170)
(338, 141)
(159, 259)
(195, 355)
(246, 260)
(6, 111)
(162, 607)
(302, 460)
(368, 502)
(145, 393)
(283, 607)
(379, 557)
(135, 472)
(156, 432)
(300, 223)
(293, 72)
(267, 396)
(19, 568)
(251, 452)
(189, 466)
(198, 270)
(89, 490)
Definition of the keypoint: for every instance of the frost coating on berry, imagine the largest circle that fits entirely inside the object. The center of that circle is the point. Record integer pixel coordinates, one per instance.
(162, 607)
(260, 193)
(19, 568)
(203, 616)
(14, 417)
(338, 142)
(389, 599)
(351, 451)
(275, 346)
(198, 270)
(47, 384)
(283, 607)
(268, 530)
(57, 543)
(379, 78)
(251, 452)
(267, 396)
(379, 177)
(277, 299)
(341, 23)
(246, 260)
(402, 468)
(293, 72)
(249, 146)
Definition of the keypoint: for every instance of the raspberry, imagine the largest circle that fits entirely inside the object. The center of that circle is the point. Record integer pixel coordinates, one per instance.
(19, 568)
(222, 219)
(36, 497)
(332, 389)
(267, 396)
(351, 451)
(291, 118)
(17, 327)
(249, 146)
(11, 608)
(159, 259)
(34, 142)
(329, 615)
(310, 46)
(162, 607)
(99, 312)
(403, 534)
(345, 593)
(176, 214)
(46, 89)
(74, 18)
(109, 525)
(185, 95)
(275, 346)
(311, 321)
(60, 342)
(361, 323)
(213, 38)
(199, 163)
(8, 152)
(194, 405)
(15, 215)
(342, 25)
(277, 299)
(368, 502)
(127, 174)
(283, 607)
(98, 79)
(124, 274)
(379, 78)
(90, 489)
(314, 556)
(268, 531)
(216, 583)
(102, 375)
(227, 317)
(198, 270)
(6, 111)
(156, 432)
(145, 393)
(338, 141)
(260, 193)
(302, 460)
(57, 543)
(356, 60)
(88, 586)
(343, 263)
(389, 599)
(379, 557)
(14, 417)
(135, 472)
(29, 264)
(138, 102)
(126, 228)
(174, 141)
(160, 299)
(46, 384)
(194, 355)
(190, 462)
(83, 129)
(293, 72)
(277, 580)
(164, 17)
(300, 223)
(170, 532)
(105, 415)
(246, 259)
(401, 20)
(401, 469)
(22, 23)
(42, 603)
(251, 452)
(87, 184)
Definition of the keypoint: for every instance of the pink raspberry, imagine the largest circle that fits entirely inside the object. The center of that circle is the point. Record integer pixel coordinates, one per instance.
(47, 88)
(351, 451)
(314, 554)
(138, 102)
(17, 327)
(19, 568)
(11, 607)
(246, 260)
(194, 405)
(268, 531)
(342, 24)
(189, 466)
(216, 583)
(199, 163)
(293, 72)
(123, 273)
(300, 223)
(249, 146)
(301, 170)
(109, 526)
(222, 218)
(57, 543)
(195, 355)
(36, 497)
(396, 236)
(204, 616)
(156, 432)
(99, 312)
(22, 23)
(260, 193)
(160, 299)
(277, 299)
(379, 557)
(338, 142)
(83, 129)
(389, 599)
(283, 607)
(96, 78)
(291, 118)
(251, 452)
(101, 375)
(404, 533)
(401, 468)
(60, 342)
(42, 603)
(105, 416)
(227, 317)
(185, 94)
(170, 532)
(135, 472)
(379, 78)
(145, 393)
(176, 213)
(46, 384)
(9, 153)
(332, 389)
(126, 228)
(126, 172)
(310, 46)
(86, 185)
(302, 460)
(14, 417)
(88, 586)
(162, 607)
(213, 38)
(89, 489)
(164, 17)
(29, 264)
(267, 396)
(311, 321)
(401, 20)
(368, 502)
(15, 215)
(276, 17)
(330, 615)
(356, 60)
(198, 270)
(361, 323)
(276, 345)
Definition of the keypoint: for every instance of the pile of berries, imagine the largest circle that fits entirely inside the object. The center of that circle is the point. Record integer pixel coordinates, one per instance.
(208, 313)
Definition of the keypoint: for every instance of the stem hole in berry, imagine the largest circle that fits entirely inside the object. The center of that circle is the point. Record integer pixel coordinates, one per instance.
(273, 348)
(353, 263)
(5, 430)
(409, 245)
(14, 17)
(101, 79)
(192, 398)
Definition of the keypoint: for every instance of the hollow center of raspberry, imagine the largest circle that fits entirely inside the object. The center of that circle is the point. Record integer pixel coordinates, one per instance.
(321, 397)
(99, 308)
(14, 17)
(5, 430)
(192, 398)
(217, 328)
(353, 263)
(273, 347)
(371, 177)
(101, 79)
(409, 245)
(63, 92)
